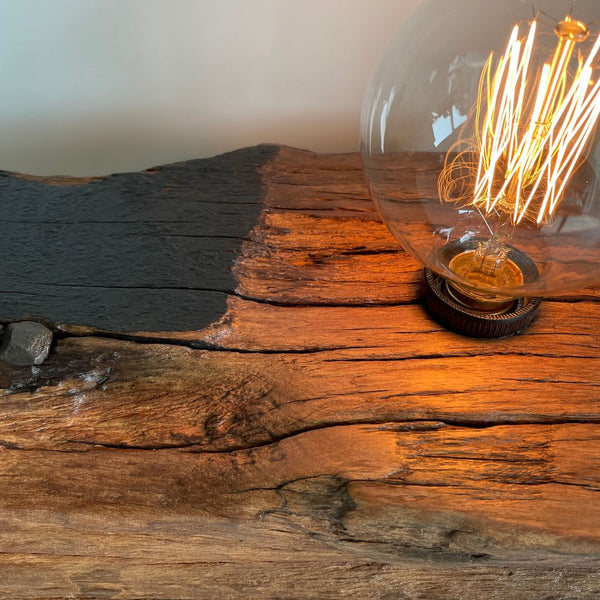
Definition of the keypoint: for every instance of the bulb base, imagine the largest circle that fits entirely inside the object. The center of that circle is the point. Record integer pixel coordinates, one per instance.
(452, 310)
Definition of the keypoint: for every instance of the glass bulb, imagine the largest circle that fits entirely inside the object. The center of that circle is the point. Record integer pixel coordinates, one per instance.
(481, 149)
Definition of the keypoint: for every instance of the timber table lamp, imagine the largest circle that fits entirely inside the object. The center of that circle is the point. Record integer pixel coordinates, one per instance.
(489, 110)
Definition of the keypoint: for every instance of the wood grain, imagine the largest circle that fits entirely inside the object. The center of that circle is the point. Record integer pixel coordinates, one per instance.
(113, 252)
(319, 437)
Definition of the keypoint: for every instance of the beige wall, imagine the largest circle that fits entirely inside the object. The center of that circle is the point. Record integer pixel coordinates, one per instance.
(98, 86)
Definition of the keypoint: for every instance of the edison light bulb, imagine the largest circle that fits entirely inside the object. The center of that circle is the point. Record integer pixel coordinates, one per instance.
(480, 147)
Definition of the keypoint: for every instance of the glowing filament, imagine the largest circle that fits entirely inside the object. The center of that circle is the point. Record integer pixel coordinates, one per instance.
(532, 130)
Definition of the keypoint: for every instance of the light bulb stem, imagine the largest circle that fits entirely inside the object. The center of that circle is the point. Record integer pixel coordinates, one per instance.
(488, 272)
(491, 255)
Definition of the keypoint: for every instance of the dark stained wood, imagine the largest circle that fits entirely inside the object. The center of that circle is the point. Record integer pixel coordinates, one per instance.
(114, 252)
(318, 436)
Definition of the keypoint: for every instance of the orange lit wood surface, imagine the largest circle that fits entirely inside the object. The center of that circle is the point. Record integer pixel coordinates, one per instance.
(323, 438)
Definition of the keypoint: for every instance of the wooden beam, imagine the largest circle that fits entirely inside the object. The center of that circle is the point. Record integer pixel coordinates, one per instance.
(310, 434)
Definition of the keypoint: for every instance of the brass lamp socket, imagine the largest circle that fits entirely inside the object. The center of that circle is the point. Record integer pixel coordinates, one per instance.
(446, 306)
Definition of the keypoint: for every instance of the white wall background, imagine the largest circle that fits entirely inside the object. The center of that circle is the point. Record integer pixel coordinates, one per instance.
(100, 86)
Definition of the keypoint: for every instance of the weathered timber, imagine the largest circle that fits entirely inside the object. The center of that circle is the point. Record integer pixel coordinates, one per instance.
(129, 251)
(246, 400)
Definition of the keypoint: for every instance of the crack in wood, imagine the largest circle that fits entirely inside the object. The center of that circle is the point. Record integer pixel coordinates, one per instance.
(204, 344)
(407, 426)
